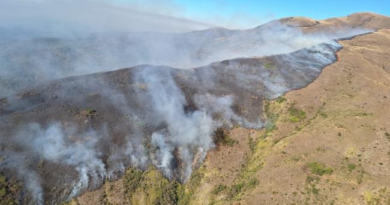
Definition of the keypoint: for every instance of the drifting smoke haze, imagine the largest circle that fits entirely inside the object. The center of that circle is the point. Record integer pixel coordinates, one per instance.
(70, 18)
(76, 132)
(50, 40)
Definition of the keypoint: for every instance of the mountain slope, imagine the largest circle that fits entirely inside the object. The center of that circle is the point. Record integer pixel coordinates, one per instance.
(160, 135)
(336, 154)
(139, 117)
(33, 60)
(356, 20)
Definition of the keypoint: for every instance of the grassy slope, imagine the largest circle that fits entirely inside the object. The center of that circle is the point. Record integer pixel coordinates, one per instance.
(345, 134)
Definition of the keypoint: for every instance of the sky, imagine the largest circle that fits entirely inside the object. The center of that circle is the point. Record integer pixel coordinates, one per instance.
(77, 17)
(250, 13)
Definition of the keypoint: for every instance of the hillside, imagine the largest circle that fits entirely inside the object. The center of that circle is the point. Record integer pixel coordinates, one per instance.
(305, 123)
(357, 20)
(337, 154)
(51, 58)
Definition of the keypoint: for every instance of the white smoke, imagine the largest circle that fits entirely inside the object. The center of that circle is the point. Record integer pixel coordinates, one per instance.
(69, 18)
(31, 178)
(222, 105)
(54, 145)
(184, 131)
(164, 154)
(38, 59)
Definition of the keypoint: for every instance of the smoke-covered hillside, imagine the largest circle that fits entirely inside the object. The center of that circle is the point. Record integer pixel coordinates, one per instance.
(32, 60)
(90, 128)
(79, 110)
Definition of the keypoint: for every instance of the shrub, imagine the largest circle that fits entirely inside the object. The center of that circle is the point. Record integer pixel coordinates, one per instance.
(323, 114)
(314, 190)
(351, 167)
(319, 169)
(90, 111)
(219, 189)
(270, 127)
(235, 190)
(281, 99)
(222, 137)
(312, 179)
(269, 66)
(169, 194)
(9, 191)
(253, 183)
(296, 115)
(132, 180)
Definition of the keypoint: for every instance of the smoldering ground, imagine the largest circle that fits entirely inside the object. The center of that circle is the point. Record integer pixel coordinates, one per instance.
(65, 136)
(76, 132)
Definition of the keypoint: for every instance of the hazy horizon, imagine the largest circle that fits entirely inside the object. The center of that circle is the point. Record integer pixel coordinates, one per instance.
(69, 17)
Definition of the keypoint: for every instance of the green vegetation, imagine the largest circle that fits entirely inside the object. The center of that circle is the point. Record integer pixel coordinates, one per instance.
(253, 183)
(360, 177)
(295, 158)
(252, 143)
(311, 186)
(311, 179)
(9, 190)
(186, 191)
(272, 117)
(387, 135)
(90, 111)
(169, 194)
(281, 99)
(296, 115)
(312, 194)
(269, 66)
(132, 180)
(351, 167)
(219, 189)
(319, 168)
(151, 187)
(322, 114)
(222, 137)
(270, 127)
(235, 190)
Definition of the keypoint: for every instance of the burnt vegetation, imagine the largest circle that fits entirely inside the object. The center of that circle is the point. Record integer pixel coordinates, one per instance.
(222, 138)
